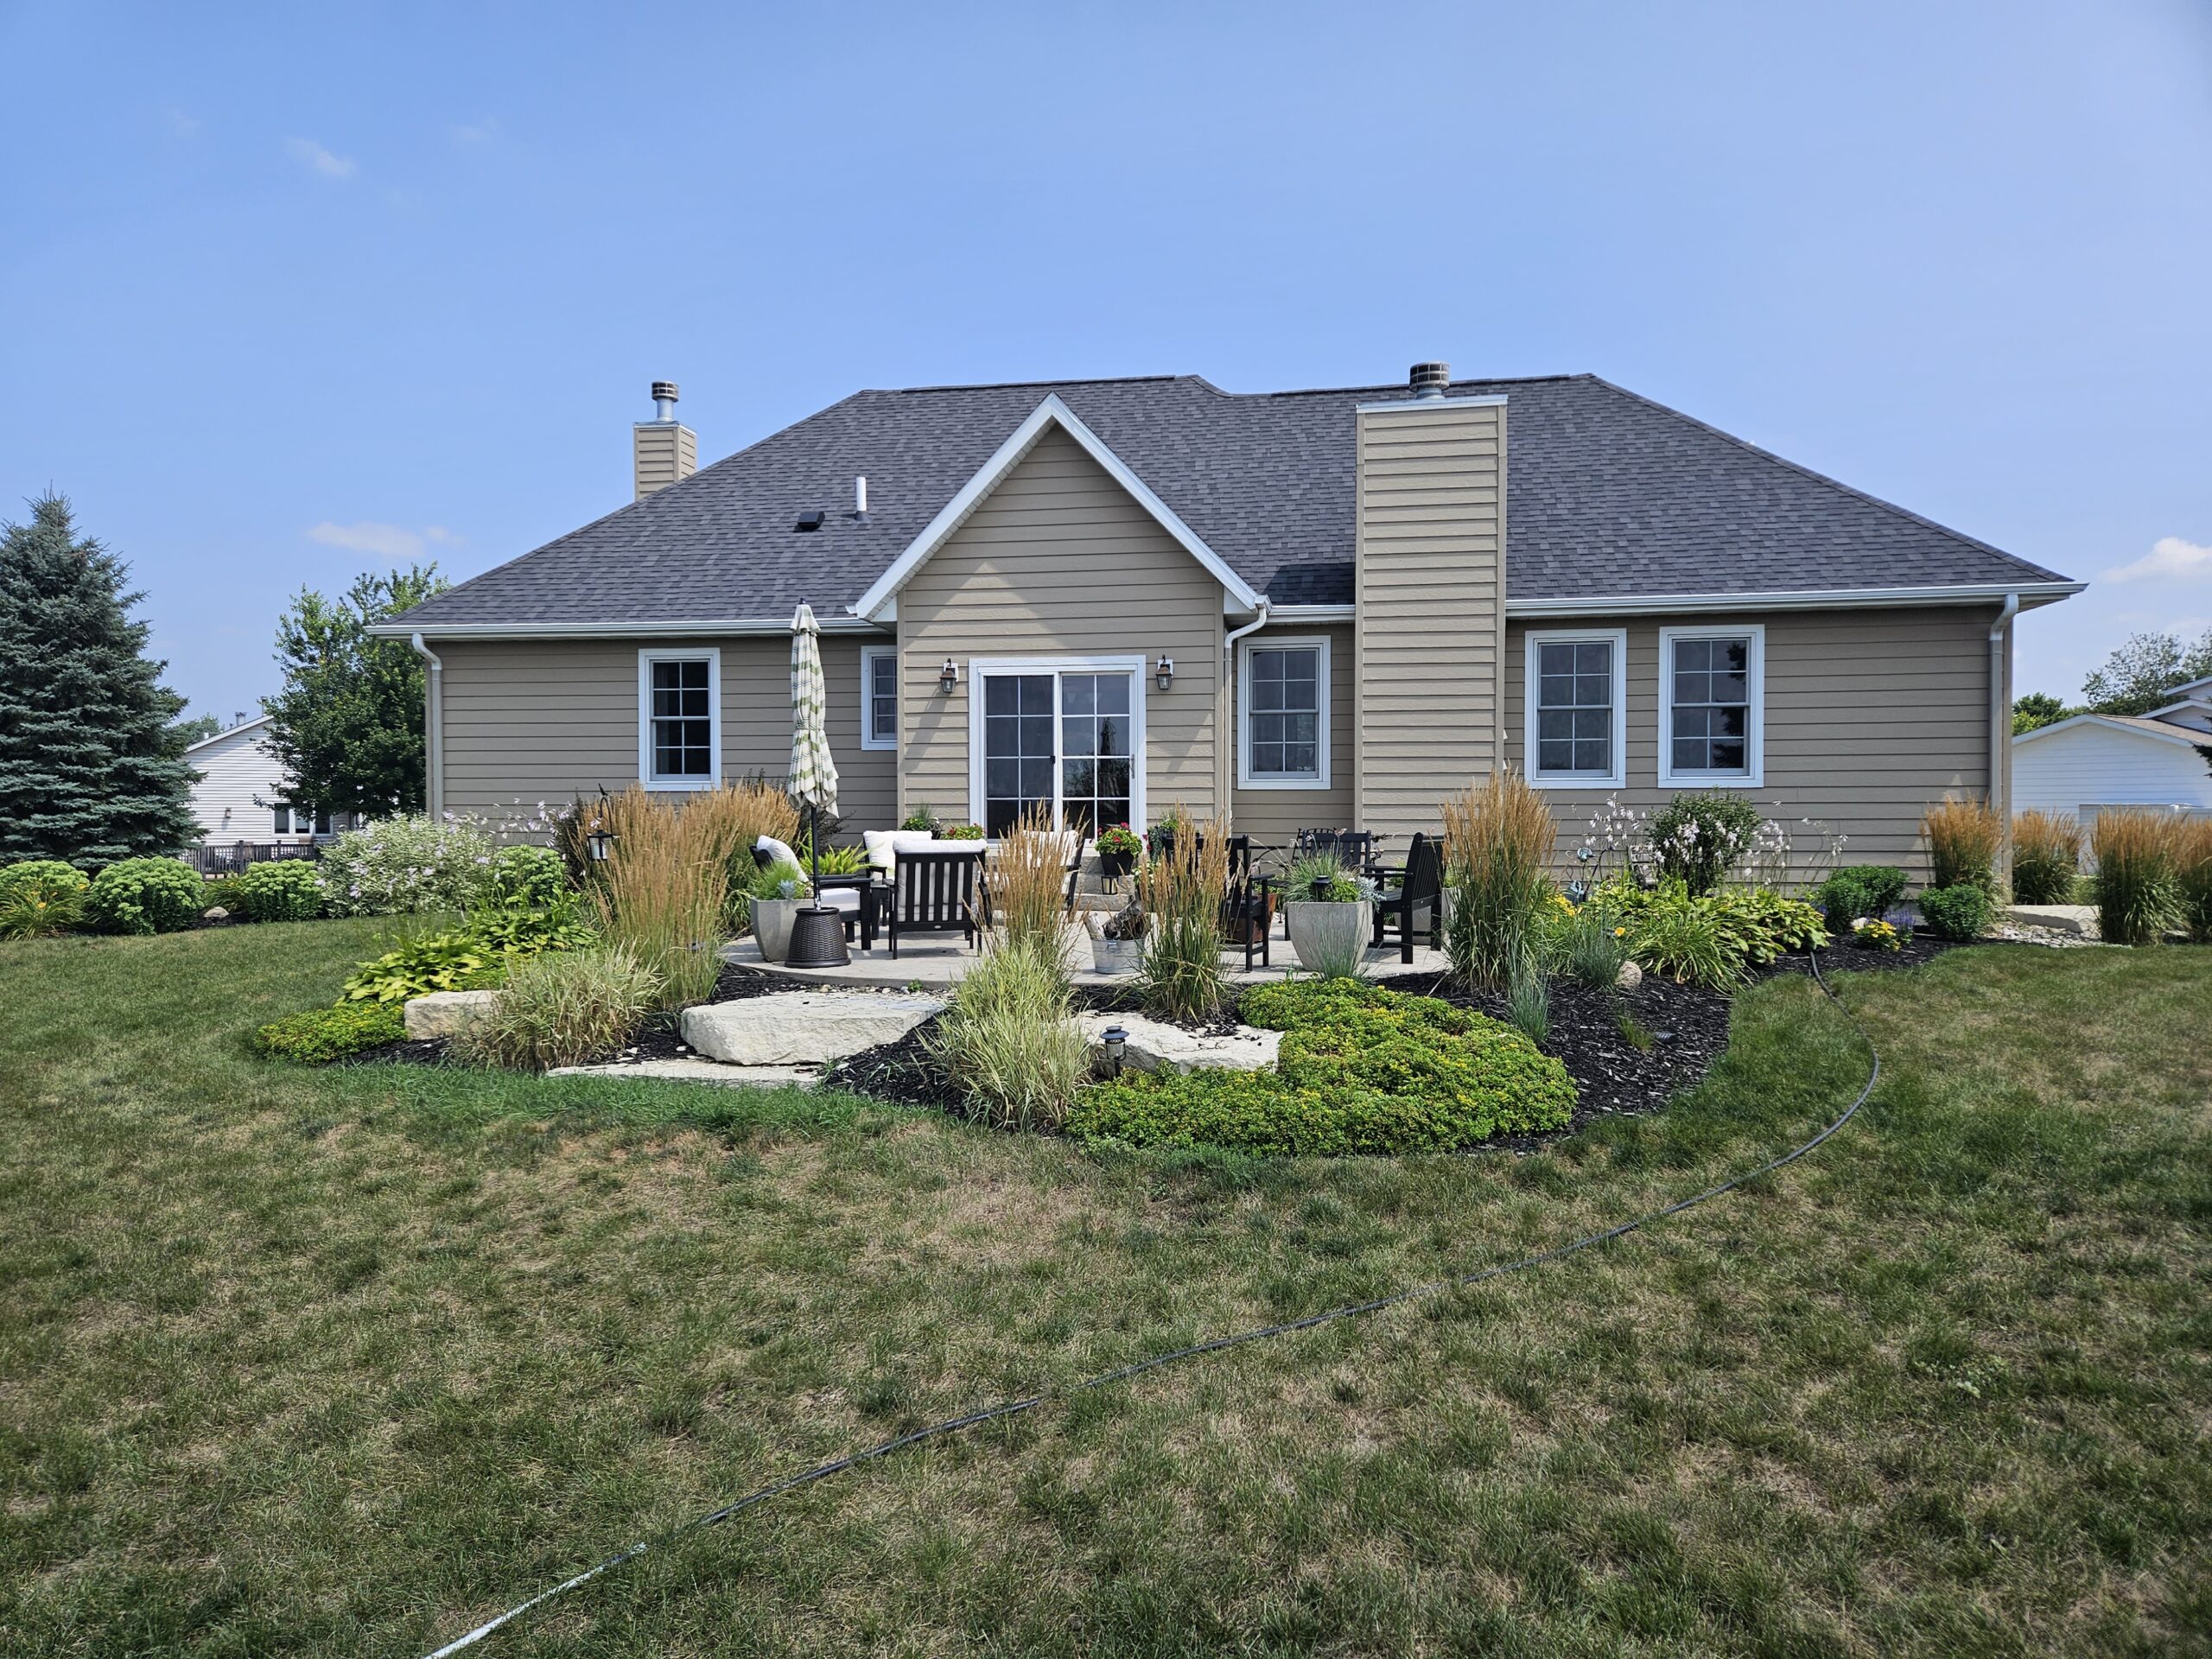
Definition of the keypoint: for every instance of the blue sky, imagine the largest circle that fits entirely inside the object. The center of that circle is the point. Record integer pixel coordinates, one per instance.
(287, 292)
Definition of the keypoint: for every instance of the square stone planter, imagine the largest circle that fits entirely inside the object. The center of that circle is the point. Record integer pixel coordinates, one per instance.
(772, 926)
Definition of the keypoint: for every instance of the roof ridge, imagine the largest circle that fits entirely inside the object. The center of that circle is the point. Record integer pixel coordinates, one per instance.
(1836, 484)
(1023, 386)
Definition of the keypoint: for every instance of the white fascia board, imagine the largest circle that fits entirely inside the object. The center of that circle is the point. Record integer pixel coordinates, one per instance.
(2181, 735)
(229, 732)
(2197, 705)
(1413, 405)
(1799, 599)
(726, 626)
(1049, 413)
(1287, 615)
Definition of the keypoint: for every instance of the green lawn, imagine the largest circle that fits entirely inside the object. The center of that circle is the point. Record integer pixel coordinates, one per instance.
(340, 1361)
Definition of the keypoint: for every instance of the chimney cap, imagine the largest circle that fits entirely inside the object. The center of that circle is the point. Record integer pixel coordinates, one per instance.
(664, 389)
(1429, 379)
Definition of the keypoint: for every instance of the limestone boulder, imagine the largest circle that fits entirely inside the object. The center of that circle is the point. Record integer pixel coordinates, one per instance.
(1153, 1045)
(803, 1027)
(443, 1013)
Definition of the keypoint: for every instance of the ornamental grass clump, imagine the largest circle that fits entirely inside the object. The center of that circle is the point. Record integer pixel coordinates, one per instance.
(662, 889)
(2192, 850)
(1361, 1069)
(2137, 895)
(1588, 941)
(1183, 885)
(2046, 857)
(1027, 879)
(1963, 837)
(1009, 1038)
(1498, 840)
(567, 1008)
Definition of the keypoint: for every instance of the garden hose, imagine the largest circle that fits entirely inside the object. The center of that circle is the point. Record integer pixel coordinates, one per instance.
(1015, 1408)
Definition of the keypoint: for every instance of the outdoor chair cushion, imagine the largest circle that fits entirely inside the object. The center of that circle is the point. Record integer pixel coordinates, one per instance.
(884, 846)
(777, 851)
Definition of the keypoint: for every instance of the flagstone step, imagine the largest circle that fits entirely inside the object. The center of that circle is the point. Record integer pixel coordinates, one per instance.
(697, 1071)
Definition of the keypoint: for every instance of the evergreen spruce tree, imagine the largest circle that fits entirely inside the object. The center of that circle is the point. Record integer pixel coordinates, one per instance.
(90, 761)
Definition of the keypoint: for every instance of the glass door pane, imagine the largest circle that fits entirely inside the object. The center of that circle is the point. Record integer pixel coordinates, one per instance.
(1018, 752)
(1095, 742)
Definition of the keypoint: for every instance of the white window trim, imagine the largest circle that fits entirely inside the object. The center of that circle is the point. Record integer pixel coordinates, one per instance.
(1530, 678)
(1755, 717)
(646, 658)
(1138, 668)
(1246, 778)
(869, 654)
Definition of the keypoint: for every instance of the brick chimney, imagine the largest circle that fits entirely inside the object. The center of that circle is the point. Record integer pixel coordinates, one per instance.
(663, 450)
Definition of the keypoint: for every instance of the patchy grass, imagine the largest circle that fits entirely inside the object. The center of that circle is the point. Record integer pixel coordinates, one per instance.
(339, 1362)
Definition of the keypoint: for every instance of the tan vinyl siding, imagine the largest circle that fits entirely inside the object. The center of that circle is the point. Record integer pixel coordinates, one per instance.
(663, 455)
(1275, 815)
(532, 721)
(1870, 715)
(1059, 561)
(1431, 606)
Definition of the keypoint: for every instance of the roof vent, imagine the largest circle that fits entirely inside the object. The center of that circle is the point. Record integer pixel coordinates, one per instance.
(809, 522)
(1430, 379)
(663, 400)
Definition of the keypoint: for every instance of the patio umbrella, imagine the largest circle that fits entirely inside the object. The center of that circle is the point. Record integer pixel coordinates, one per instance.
(814, 774)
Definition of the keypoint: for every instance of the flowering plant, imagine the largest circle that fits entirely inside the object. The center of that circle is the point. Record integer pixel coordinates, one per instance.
(1119, 841)
(405, 866)
(1871, 933)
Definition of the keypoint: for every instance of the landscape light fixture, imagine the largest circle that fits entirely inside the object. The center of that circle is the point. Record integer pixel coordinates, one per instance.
(1117, 1042)
(598, 839)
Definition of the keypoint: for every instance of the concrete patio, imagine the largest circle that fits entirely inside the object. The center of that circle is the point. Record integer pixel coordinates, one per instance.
(934, 962)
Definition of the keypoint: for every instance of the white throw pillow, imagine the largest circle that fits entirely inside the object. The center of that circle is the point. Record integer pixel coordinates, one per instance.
(777, 853)
(877, 842)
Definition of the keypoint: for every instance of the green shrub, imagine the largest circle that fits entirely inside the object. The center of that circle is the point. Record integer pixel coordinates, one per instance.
(2046, 854)
(285, 890)
(436, 962)
(527, 878)
(405, 867)
(1698, 837)
(1857, 890)
(1764, 926)
(1009, 1038)
(41, 896)
(1957, 913)
(1362, 1069)
(526, 933)
(324, 1034)
(567, 1008)
(144, 895)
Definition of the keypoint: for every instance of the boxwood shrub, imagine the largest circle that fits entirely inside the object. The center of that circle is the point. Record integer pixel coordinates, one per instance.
(322, 1035)
(1859, 890)
(144, 895)
(1360, 1070)
(1958, 912)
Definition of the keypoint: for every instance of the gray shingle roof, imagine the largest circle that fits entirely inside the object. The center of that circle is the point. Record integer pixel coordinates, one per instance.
(1609, 495)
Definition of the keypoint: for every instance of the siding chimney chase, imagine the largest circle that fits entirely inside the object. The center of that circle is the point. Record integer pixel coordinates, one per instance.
(663, 451)
(1429, 616)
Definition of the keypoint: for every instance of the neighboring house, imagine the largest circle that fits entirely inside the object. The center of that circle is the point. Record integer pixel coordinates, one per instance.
(2090, 761)
(1313, 608)
(243, 793)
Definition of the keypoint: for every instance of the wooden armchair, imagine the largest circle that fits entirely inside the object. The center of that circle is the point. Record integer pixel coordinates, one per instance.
(1418, 885)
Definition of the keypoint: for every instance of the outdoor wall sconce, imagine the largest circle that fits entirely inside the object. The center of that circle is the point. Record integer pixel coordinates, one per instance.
(1116, 1042)
(948, 677)
(1164, 675)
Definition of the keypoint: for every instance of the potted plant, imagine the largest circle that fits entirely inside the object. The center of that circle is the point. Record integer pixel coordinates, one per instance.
(1117, 941)
(960, 832)
(776, 894)
(923, 819)
(1329, 915)
(1117, 854)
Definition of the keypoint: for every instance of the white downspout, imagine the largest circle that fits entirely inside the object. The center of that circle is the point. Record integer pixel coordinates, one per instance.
(2000, 732)
(434, 729)
(1229, 681)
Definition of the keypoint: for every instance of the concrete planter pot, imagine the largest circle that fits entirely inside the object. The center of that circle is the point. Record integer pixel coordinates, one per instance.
(1330, 935)
(772, 926)
(1115, 956)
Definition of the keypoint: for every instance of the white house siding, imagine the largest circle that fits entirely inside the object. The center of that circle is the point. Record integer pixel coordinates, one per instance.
(2090, 766)
(240, 782)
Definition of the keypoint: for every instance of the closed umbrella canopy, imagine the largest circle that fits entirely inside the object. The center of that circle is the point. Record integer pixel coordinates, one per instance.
(814, 774)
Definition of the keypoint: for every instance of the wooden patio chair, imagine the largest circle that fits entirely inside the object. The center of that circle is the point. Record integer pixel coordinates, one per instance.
(1419, 885)
(928, 893)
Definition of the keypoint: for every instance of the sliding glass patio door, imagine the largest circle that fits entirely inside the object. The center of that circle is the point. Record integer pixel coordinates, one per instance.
(1062, 740)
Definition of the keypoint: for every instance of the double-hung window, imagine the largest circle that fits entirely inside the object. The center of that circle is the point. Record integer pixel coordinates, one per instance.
(879, 697)
(1577, 714)
(679, 719)
(1711, 691)
(1283, 697)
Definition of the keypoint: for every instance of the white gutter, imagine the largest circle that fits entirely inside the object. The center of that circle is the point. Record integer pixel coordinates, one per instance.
(1255, 624)
(743, 626)
(2000, 732)
(434, 727)
(1789, 599)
